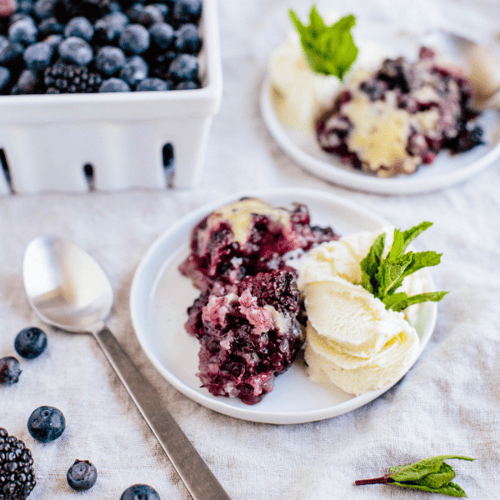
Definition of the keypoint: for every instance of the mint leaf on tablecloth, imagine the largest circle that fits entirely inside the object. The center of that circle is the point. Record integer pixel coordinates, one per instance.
(431, 474)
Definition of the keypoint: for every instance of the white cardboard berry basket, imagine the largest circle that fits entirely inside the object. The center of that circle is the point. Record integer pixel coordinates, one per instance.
(127, 140)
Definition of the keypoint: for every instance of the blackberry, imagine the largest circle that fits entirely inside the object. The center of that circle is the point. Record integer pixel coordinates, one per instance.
(61, 78)
(17, 477)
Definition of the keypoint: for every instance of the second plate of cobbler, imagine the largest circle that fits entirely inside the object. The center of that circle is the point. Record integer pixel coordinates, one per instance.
(228, 311)
(397, 121)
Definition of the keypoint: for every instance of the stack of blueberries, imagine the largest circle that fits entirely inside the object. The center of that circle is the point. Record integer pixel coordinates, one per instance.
(84, 46)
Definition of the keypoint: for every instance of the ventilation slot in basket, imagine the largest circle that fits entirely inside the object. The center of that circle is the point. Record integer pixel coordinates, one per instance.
(5, 170)
(169, 163)
(88, 170)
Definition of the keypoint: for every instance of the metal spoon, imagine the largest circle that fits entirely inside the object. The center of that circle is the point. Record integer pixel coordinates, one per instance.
(68, 289)
(480, 63)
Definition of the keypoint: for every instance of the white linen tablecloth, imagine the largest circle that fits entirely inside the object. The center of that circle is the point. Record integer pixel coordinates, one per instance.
(449, 402)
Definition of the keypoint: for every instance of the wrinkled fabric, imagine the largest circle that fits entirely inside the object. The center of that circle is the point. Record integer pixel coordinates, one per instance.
(449, 402)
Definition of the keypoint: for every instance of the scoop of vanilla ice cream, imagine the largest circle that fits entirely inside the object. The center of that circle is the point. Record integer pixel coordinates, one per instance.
(352, 340)
(301, 95)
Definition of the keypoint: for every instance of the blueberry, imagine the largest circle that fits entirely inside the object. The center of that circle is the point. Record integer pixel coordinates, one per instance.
(162, 35)
(45, 8)
(152, 84)
(114, 85)
(29, 82)
(54, 40)
(75, 50)
(46, 424)
(4, 79)
(9, 370)
(50, 26)
(184, 67)
(30, 342)
(82, 475)
(140, 492)
(25, 7)
(80, 27)
(187, 11)
(134, 71)
(135, 39)
(109, 28)
(188, 39)
(188, 85)
(163, 8)
(110, 60)
(134, 12)
(38, 56)
(10, 51)
(23, 31)
(150, 15)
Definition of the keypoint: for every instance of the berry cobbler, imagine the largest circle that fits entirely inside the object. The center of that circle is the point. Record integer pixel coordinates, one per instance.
(402, 116)
(247, 315)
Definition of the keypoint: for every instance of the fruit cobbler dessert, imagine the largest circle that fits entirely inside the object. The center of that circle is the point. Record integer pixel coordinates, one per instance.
(400, 117)
(247, 315)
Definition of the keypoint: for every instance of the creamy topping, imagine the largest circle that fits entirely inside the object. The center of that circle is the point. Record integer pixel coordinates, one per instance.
(240, 216)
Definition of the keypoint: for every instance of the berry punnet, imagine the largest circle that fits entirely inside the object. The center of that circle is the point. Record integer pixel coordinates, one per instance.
(82, 475)
(100, 36)
(46, 424)
(9, 370)
(17, 477)
(30, 342)
(140, 492)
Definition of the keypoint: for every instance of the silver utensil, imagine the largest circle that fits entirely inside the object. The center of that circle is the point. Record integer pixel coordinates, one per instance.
(68, 289)
(481, 64)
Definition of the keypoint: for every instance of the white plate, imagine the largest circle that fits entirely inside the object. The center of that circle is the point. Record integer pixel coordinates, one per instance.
(446, 170)
(160, 297)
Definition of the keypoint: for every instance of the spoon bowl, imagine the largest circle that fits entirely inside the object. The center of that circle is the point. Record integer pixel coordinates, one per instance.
(479, 62)
(65, 286)
(68, 289)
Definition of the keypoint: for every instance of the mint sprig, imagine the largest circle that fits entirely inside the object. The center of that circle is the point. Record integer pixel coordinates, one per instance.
(431, 474)
(329, 50)
(382, 277)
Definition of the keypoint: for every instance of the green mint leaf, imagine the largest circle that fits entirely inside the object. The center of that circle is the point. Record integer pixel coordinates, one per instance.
(329, 50)
(391, 273)
(400, 301)
(383, 277)
(450, 489)
(412, 233)
(416, 471)
(371, 263)
(430, 474)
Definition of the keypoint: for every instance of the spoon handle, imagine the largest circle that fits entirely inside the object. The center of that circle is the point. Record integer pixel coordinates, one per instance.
(197, 477)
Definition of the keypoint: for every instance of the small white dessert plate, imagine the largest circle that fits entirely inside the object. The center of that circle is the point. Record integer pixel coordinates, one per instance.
(160, 296)
(446, 170)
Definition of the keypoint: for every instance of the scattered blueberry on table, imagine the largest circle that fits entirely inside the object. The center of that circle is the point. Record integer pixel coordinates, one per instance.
(82, 475)
(30, 342)
(46, 424)
(140, 492)
(10, 370)
(76, 46)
